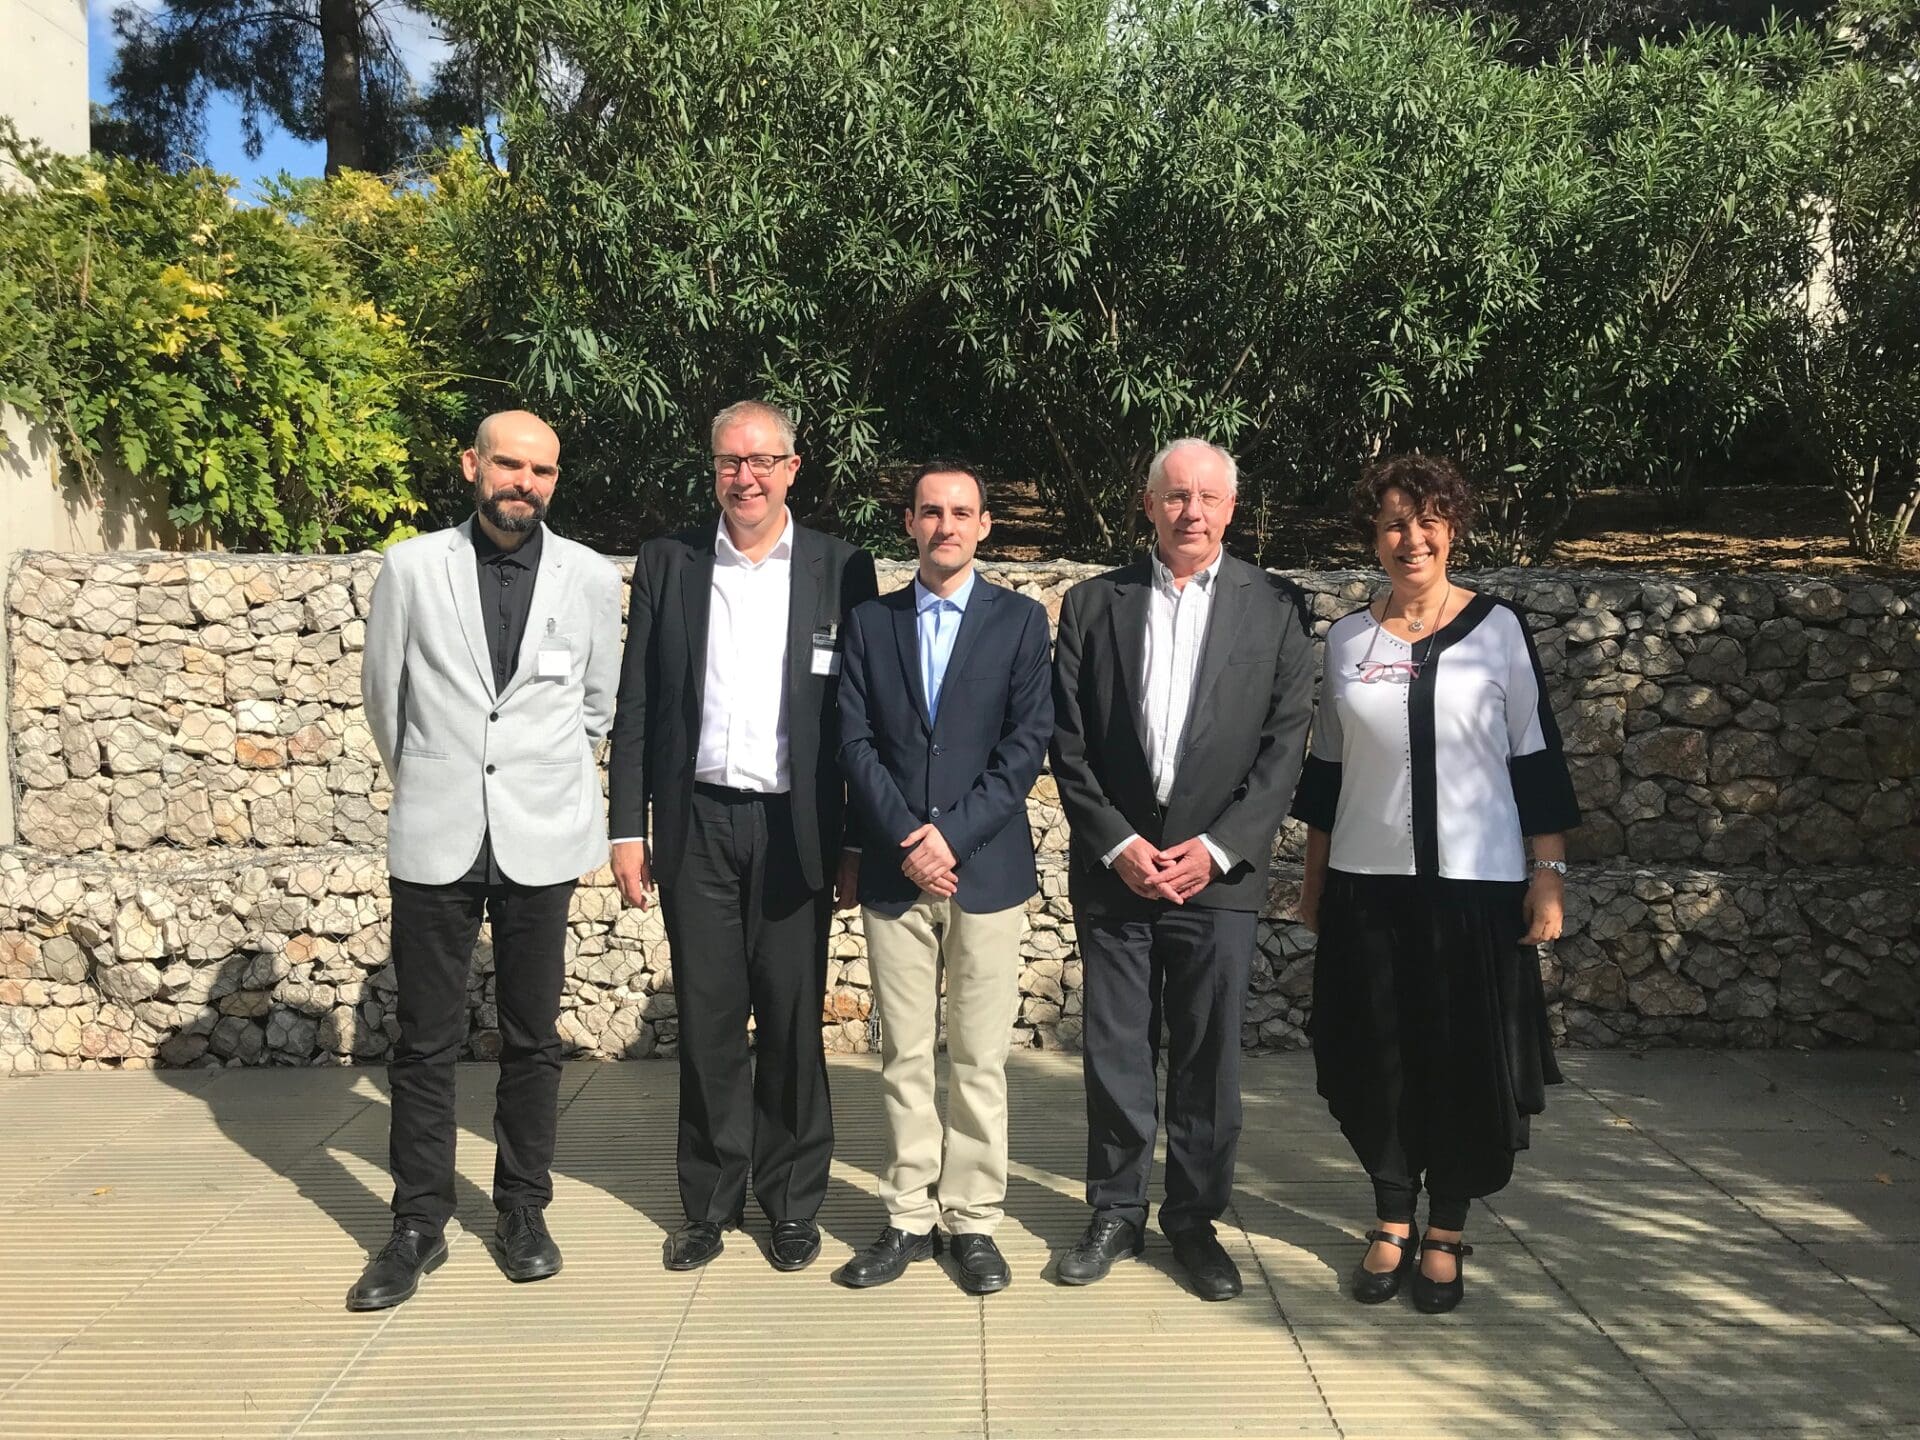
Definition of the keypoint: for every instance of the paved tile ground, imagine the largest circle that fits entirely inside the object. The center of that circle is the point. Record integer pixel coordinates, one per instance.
(1708, 1244)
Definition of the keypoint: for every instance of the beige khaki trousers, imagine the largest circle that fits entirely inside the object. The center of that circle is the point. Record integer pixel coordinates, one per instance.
(953, 1175)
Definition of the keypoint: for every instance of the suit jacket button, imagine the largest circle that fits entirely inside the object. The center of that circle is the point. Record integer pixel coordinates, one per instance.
(494, 716)
(489, 769)
(936, 749)
(934, 814)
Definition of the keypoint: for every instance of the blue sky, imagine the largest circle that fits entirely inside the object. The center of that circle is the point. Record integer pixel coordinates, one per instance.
(225, 151)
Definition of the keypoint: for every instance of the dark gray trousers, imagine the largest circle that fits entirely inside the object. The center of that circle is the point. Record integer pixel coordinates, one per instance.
(1181, 971)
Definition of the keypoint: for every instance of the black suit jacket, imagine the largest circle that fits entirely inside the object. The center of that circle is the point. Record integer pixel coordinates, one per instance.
(656, 724)
(1245, 734)
(970, 770)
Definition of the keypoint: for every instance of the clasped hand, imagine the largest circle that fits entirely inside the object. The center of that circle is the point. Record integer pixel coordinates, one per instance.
(1177, 873)
(929, 861)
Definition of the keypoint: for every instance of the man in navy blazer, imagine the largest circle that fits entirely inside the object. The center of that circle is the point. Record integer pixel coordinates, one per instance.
(946, 708)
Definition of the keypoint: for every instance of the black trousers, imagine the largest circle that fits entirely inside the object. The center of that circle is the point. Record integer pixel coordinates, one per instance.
(1183, 969)
(748, 935)
(434, 930)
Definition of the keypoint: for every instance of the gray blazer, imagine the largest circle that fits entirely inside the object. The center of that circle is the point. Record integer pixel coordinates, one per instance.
(466, 761)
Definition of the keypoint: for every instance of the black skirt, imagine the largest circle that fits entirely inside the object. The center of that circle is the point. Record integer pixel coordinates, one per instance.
(1429, 1026)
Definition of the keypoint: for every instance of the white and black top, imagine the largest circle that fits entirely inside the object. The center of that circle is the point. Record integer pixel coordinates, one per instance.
(1435, 758)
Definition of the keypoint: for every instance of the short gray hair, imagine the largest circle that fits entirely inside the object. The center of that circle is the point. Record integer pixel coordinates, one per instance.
(752, 410)
(1157, 467)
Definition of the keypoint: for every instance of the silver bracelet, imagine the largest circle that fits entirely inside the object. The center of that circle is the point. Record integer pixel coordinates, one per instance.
(1559, 867)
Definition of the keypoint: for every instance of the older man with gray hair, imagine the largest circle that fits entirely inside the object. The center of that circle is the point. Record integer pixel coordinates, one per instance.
(1182, 687)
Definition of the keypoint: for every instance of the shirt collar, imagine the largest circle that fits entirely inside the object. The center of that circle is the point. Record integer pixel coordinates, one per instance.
(526, 554)
(1163, 577)
(725, 552)
(925, 600)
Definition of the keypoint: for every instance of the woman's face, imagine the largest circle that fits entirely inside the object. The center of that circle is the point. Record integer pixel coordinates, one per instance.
(1412, 544)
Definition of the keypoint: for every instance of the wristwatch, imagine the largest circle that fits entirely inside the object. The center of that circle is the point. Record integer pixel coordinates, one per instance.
(1559, 867)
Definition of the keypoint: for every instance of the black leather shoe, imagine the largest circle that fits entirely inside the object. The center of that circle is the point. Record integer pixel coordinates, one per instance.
(693, 1245)
(978, 1262)
(1376, 1287)
(527, 1251)
(1437, 1297)
(394, 1274)
(796, 1244)
(1210, 1270)
(1107, 1238)
(887, 1258)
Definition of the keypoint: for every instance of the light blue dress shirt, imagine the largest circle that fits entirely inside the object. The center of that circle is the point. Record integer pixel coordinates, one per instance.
(939, 623)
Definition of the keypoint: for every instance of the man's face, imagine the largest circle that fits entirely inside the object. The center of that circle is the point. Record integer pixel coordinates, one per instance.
(1191, 505)
(513, 478)
(947, 523)
(748, 498)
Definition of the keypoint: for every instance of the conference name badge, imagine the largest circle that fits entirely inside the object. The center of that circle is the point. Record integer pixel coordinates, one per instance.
(826, 650)
(554, 659)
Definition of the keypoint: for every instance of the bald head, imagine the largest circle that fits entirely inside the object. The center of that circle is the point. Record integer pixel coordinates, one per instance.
(518, 428)
(513, 467)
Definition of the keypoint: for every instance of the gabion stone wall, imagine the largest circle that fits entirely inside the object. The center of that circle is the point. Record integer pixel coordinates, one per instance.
(201, 812)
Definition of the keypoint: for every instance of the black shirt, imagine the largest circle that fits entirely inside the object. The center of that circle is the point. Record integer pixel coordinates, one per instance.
(506, 595)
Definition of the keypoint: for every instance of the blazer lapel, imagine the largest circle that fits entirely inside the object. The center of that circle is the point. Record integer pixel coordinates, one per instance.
(1129, 615)
(906, 638)
(465, 581)
(973, 620)
(547, 582)
(803, 596)
(696, 604)
(1223, 623)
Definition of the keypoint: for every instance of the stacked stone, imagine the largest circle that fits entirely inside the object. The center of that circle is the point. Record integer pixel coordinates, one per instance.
(1746, 751)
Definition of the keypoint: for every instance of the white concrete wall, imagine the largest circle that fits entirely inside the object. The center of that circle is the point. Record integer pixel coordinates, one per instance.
(43, 70)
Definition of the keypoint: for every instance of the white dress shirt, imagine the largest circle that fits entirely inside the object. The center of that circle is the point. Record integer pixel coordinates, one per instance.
(1177, 618)
(743, 713)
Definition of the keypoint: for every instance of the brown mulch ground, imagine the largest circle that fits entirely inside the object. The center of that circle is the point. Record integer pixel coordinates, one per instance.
(1797, 529)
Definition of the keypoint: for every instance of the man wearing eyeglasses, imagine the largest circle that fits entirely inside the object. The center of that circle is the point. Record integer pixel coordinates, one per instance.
(1182, 687)
(725, 793)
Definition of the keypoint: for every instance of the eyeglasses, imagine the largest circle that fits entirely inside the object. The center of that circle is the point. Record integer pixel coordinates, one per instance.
(1373, 670)
(1178, 500)
(761, 465)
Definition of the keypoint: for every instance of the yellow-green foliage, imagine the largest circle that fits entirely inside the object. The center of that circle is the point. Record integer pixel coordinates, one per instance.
(149, 321)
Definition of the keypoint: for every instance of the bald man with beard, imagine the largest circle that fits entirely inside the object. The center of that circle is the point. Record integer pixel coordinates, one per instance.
(492, 658)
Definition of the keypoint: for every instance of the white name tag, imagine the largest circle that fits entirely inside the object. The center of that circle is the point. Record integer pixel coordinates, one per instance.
(825, 661)
(553, 662)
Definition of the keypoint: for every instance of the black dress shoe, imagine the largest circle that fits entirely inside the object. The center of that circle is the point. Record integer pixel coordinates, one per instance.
(1107, 1238)
(1210, 1270)
(1376, 1287)
(394, 1274)
(527, 1251)
(796, 1244)
(980, 1265)
(887, 1258)
(1437, 1297)
(693, 1245)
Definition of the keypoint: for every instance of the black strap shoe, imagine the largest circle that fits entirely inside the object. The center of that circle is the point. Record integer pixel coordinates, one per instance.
(1107, 1238)
(1210, 1270)
(1437, 1297)
(527, 1251)
(1376, 1287)
(887, 1258)
(693, 1245)
(978, 1262)
(796, 1244)
(394, 1274)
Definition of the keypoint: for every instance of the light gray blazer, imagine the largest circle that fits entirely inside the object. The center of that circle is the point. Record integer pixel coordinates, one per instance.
(466, 761)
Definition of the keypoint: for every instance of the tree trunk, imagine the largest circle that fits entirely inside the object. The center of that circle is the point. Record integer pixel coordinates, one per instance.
(340, 85)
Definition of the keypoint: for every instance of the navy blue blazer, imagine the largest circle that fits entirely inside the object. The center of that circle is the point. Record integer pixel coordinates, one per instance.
(970, 772)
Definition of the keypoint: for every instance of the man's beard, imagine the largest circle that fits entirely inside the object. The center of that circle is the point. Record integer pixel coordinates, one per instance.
(492, 508)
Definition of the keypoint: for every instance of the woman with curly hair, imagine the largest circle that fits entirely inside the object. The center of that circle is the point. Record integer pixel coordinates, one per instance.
(1436, 799)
